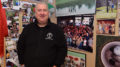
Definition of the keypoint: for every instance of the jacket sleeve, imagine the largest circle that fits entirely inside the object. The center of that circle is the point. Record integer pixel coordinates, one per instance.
(21, 47)
(61, 48)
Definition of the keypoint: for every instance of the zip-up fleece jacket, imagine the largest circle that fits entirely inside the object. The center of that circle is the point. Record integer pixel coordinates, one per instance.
(41, 46)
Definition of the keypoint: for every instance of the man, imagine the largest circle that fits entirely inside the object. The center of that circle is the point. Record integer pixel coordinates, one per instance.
(42, 43)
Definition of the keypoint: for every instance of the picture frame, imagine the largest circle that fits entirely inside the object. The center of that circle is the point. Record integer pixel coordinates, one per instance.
(78, 32)
(76, 7)
(107, 51)
(106, 9)
(75, 59)
(105, 27)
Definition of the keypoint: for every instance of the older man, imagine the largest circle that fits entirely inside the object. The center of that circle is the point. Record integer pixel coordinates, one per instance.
(42, 43)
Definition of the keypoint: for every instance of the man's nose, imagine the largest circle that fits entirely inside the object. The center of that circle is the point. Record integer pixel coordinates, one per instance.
(42, 12)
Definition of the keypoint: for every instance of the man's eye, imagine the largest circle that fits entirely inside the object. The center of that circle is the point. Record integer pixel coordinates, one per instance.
(45, 10)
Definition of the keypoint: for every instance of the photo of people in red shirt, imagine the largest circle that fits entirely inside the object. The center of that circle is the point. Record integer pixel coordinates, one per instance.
(78, 31)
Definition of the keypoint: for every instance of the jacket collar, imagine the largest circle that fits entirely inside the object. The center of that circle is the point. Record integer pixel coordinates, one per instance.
(46, 27)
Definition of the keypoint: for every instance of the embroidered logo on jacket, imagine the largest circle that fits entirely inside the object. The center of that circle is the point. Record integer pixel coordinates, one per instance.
(49, 36)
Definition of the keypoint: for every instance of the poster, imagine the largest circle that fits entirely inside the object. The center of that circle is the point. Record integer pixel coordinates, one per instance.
(108, 51)
(78, 31)
(74, 59)
(75, 7)
(106, 27)
(106, 9)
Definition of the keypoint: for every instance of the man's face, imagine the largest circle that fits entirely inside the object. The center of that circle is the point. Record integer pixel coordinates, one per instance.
(42, 13)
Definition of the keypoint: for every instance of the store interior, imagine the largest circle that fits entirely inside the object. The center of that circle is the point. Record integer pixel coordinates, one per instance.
(91, 28)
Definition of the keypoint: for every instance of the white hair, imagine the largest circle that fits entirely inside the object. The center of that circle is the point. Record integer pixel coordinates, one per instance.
(41, 2)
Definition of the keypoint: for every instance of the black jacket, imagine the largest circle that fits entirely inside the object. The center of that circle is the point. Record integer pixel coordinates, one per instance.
(41, 46)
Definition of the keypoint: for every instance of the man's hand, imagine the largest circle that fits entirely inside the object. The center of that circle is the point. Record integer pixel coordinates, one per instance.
(54, 66)
(22, 65)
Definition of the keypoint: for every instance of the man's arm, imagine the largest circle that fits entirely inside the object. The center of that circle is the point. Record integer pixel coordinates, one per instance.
(21, 47)
(61, 48)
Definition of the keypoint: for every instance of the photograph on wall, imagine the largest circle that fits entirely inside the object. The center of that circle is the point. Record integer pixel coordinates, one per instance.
(108, 51)
(106, 9)
(106, 27)
(74, 59)
(118, 4)
(13, 4)
(16, 4)
(75, 7)
(28, 10)
(78, 31)
(7, 3)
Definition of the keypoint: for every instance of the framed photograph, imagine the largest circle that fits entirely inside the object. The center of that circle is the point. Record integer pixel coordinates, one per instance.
(118, 4)
(75, 7)
(78, 31)
(11, 4)
(106, 9)
(106, 27)
(7, 3)
(16, 5)
(108, 51)
(28, 10)
(74, 59)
